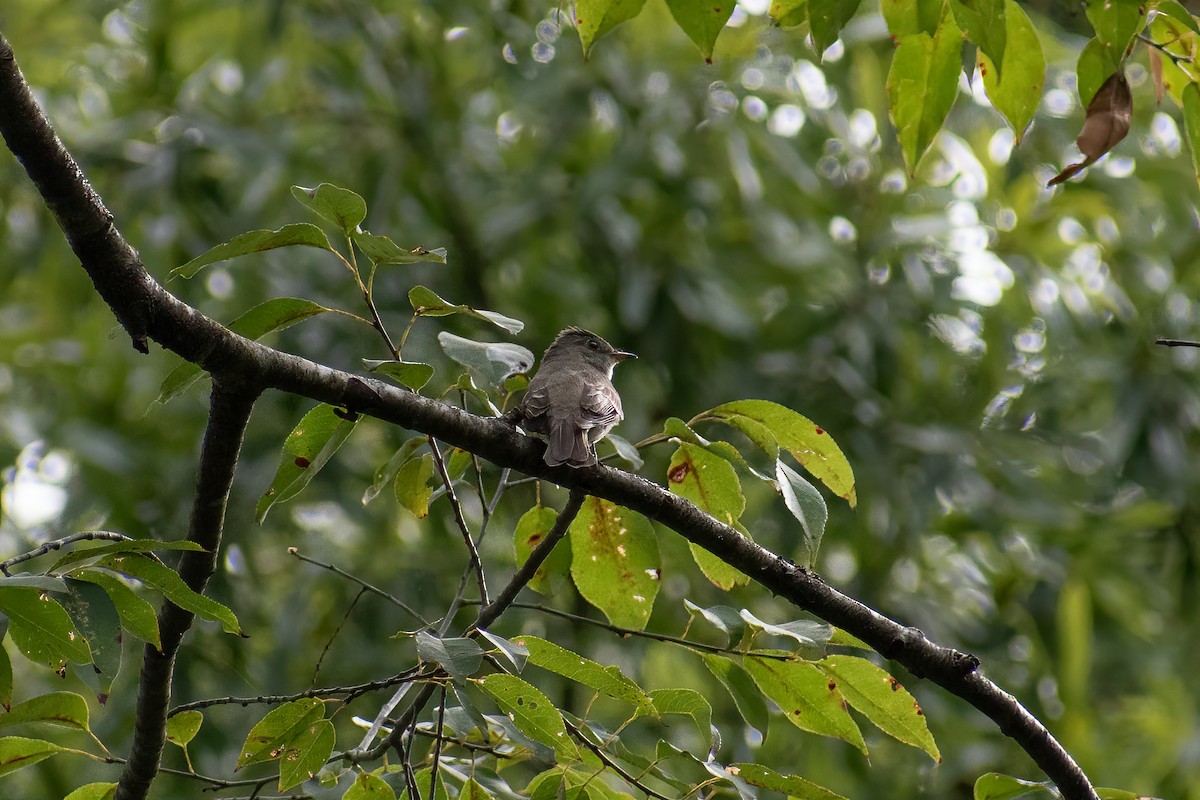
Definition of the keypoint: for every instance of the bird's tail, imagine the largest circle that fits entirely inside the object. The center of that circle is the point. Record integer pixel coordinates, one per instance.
(569, 445)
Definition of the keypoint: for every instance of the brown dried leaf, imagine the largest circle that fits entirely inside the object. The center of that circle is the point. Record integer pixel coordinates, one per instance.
(1156, 71)
(1106, 124)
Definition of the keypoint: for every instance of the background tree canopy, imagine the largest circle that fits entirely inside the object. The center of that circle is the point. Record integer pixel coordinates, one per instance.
(979, 344)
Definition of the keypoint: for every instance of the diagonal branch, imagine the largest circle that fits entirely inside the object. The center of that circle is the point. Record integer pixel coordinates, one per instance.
(148, 311)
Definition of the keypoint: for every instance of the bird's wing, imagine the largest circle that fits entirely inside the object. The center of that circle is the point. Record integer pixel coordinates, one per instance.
(601, 407)
(536, 401)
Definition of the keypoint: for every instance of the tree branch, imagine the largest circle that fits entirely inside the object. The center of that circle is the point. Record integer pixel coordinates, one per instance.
(147, 310)
(227, 419)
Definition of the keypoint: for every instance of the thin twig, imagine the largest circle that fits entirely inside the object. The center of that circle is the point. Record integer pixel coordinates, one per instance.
(295, 551)
(1176, 343)
(440, 462)
(613, 765)
(349, 693)
(58, 544)
(329, 643)
(437, 744)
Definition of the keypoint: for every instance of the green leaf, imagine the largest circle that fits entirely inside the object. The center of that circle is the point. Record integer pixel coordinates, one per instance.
(96, 618)
(1191, 123)
(615, 561)
(594, 18)
(724, 618)
(789, 13)
(183, 727)
(905, 17)
(1015, 89)
(125, 546)
(306, 753)
(826, 18)
(607, 680)
(43, 583)
(922, 84)
(369, 787)
(517, 654)
(1116, 22)
(164, 579)
(276, 314)
(459, 657)
(702, 22)
(1174, 11)
(688, 702)
(806, 504)
(412, 374)
(94, 791)
(806, 632)
(42, 630)
(489, 363)
(770, 426)
(138, 617)
(382, 250)
(299, 234)
(712, 485)
(422, 778)
(67, 709)
(306, 450)
(473, 790)
(342, 207)
(746, 696)
(412, 486)
(994, 786)
(532, 527)
(17, 752)
(881, 699)
(1091, 71)
(386, 473)
(983, 22)
(268, 739)
(6, 678)
(792, 786)
(428, 304)
(532, 713)
(809, 700)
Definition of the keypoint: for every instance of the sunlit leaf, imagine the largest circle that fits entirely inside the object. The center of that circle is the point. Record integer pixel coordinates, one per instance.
(771, 426)
(270, 735)
(67, 709)
(369, 787)
(299, 234)
(711, 483)
(702, 22)
(94, 791)
(880, 698)
(606, 679)
(791, 786)
(158, 576)
(807, 697)
(1115, 22)
(306, 450)
(342, 207)
(688, 702)
(532, 713)
(594, 18)
(386, 473)
(41, 628)
(45, 583)
(517, 654)
(183, 727)
(615, 561)
(412, 485)
(983, 22)
(806, 632)
(124, 546)
(532, 527)
(789, 13)
(137, 616)
(922, 85)
(427, 303)
(994, 786)
(305, 754)
(741, 687)
(724, 618)
(1191, 124)
(1015, 89)
(412, 374)
(17, 752)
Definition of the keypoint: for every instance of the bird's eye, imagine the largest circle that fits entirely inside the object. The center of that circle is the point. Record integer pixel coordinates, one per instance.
(592, 343)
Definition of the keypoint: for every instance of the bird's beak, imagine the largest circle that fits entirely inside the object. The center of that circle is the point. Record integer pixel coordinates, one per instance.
(623, 355)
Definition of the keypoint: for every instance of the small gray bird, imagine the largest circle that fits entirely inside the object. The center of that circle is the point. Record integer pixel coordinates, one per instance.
(571, 401)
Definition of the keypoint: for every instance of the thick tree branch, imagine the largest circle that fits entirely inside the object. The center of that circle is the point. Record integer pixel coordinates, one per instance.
(147, 310)
(227, 419)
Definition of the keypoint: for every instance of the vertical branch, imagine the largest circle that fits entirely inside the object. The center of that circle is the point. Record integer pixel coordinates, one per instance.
(227, 418)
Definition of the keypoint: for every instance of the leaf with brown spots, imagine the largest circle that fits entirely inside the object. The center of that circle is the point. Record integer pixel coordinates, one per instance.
(881, 699)
(711, 483)
(803, 693)
(615, 561)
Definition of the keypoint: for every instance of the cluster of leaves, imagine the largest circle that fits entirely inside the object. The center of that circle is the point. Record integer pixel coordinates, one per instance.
(937, 39)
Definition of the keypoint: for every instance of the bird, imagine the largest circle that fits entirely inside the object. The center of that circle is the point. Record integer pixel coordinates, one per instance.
(571, 401)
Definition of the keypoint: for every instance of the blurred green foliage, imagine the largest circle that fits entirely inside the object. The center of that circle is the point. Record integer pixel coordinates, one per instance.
(980, 346)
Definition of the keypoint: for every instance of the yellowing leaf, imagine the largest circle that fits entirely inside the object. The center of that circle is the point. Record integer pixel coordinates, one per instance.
(615, 561)
(594, 18)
